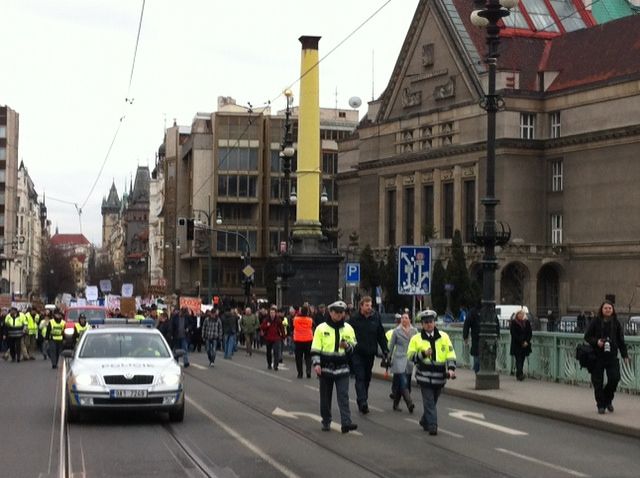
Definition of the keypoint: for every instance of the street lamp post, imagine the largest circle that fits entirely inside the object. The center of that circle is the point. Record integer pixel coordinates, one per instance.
(209, 215)
(286, 153)
(487, 233)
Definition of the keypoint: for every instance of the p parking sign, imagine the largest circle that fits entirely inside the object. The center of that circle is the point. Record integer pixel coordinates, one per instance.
(352, 272)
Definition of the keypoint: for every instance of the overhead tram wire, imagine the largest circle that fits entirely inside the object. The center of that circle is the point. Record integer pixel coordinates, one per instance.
(129, 101)
(338, 45)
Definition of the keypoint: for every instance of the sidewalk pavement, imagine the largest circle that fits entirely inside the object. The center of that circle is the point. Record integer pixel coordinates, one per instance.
(570, 403)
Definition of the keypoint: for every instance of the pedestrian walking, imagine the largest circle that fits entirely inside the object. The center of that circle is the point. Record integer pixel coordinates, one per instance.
(369, 335)
(273, 334)
(401, 367)
(471, 329)
(432, 352)
(521, 334)
(180, 331)
(14, 328)
(606, 336)
(302, 339)
(211, 333)
(333, 343)
(229, 332)
(30, 338)
(249, 325)
(55, 332)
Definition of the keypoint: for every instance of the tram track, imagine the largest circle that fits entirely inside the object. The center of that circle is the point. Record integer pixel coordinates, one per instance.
(382, 473)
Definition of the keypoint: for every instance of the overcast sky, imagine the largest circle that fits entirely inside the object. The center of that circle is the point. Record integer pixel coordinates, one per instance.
(66, 66)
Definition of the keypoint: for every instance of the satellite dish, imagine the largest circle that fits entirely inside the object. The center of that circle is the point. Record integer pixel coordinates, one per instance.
(355, 102)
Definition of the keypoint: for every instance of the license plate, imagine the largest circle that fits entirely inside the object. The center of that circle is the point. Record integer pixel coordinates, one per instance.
(128, 394)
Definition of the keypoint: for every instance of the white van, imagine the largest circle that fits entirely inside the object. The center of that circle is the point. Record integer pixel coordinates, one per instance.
(505, 312)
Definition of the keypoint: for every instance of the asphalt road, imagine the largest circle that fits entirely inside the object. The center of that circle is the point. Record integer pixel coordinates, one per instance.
(243, 420)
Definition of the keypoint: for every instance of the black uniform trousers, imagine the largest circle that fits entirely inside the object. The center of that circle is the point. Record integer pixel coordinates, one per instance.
(341, 382)
(604, 393)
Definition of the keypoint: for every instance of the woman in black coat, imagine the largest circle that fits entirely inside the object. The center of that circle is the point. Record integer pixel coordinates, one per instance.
(521, 334)
(605, 335)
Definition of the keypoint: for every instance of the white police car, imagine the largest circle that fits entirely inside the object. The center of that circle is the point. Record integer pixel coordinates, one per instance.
(130, 368)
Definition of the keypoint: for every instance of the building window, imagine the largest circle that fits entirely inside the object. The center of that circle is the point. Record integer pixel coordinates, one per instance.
(408, 215)
(555, 124)
(237, 186)
(3, 154)
(527, 125)
(237, 159)
(427, 217)
(391, 217)
(556, 176)
(469, 209)
(556, 229)
(3, 131)
(330, 163)
(232, 242)
(447, 209)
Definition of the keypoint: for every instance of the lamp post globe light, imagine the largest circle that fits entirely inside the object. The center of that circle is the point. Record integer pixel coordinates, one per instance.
(488, 233)
(286, 153)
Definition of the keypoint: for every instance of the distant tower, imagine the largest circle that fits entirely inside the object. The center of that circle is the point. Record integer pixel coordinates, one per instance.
(110, 213)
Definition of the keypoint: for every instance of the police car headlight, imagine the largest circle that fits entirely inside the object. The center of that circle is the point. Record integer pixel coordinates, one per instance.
(169, 379)
(85, 379)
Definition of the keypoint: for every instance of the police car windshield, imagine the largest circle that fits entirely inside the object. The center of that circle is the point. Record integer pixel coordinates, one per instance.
(73, 314)
(124, 345)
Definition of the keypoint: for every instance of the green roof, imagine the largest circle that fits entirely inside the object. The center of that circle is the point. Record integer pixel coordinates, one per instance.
(607, 10)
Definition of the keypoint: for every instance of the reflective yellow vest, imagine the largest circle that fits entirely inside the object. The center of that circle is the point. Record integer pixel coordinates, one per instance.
(80, 329)
(432, 370)
(325, 350)
(14, 326)
(32, 325)
(57, 329)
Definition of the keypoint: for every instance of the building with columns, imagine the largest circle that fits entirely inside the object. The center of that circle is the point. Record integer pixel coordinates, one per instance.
(567, 141)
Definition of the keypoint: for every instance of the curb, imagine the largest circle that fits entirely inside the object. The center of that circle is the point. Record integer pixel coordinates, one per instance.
(540, 411)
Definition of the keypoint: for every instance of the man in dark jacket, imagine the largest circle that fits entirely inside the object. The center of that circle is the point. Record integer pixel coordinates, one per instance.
(180, 330)
(229, 331)
(472, 327)
(369, 334)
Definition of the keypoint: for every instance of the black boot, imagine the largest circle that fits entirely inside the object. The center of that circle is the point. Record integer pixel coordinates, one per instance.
(407, 399)
(396, 402)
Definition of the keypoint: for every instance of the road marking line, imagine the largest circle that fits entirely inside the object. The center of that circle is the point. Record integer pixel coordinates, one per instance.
(544, 463)
(200, 367)
(253, 369)
(371, 407)
(311, 387)
(255, 449)
(279, 412)
(440, 429)
(479, 419)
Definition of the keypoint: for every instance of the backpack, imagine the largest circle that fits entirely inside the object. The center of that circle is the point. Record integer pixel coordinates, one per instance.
(586, 356)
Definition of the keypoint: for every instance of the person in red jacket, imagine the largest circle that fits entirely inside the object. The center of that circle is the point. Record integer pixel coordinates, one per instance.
(302, 338)
(273, 333)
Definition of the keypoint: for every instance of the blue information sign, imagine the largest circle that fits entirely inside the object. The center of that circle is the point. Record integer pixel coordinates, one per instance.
(352, 272)
(414, 270)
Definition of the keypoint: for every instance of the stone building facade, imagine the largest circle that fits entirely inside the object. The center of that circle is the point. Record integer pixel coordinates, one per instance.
(566, 169)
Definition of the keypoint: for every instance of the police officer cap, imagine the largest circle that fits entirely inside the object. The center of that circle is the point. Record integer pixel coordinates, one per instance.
(338, 306)
(427, 315)
(82, 316)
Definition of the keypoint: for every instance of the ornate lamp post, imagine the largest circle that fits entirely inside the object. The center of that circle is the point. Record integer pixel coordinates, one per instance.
(488, 234)
(286, 153)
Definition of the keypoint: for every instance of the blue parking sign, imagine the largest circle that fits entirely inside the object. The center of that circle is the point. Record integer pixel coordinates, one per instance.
(352, 272)
(414, 270)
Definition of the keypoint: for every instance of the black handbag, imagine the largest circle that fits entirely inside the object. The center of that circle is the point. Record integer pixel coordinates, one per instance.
(586, 356)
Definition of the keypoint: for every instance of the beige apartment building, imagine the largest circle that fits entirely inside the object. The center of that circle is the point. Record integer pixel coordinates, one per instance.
(567, 173)
(227, 165)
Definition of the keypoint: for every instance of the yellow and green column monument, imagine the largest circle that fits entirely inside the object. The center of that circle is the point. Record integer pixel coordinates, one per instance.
(308, 172)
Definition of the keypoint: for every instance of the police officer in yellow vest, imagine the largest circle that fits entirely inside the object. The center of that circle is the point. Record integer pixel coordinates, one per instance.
(15, 325)
(55, 332)
(32, 334)
(333, 343)
(80, 328)
(432, 352)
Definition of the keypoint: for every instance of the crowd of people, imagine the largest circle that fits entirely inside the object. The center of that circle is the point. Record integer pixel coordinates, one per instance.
(336, 343)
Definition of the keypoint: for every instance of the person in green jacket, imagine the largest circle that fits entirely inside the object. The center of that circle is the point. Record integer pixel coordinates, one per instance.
(249, 324)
